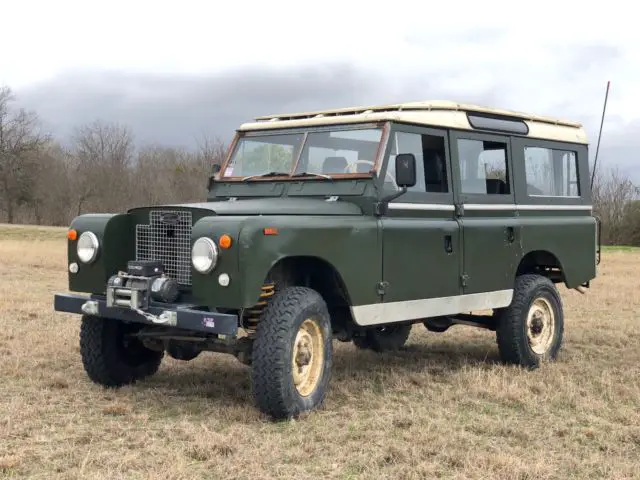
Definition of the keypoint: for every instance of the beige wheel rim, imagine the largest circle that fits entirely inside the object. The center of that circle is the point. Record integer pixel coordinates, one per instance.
(541, 325)
(308, 357)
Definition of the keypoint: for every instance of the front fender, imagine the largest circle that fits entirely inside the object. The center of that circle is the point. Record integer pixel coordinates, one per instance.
(116, 237)
(350, 244)
(206, 288)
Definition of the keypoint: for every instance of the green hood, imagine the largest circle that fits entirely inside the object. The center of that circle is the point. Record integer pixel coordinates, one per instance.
(274, 206)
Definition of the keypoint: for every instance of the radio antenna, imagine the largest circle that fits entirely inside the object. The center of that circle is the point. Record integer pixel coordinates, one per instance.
(595, 161)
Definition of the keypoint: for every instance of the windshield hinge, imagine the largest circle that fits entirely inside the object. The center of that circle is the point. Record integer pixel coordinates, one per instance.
(332, 198)
(233, 199)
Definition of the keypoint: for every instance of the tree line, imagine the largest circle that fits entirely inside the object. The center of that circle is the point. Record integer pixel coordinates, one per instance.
(100, 169)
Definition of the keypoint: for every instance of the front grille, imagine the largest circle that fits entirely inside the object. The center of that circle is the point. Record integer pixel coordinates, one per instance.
(167, 239)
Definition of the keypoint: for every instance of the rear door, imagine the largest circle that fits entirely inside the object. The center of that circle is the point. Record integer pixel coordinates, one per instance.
(420, 234)
(482, 170)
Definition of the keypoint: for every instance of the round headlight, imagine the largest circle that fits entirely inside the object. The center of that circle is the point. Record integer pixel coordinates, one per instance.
(204, 255)
(87, 247)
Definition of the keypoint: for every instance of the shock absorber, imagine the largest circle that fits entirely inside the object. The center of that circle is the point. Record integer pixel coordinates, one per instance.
(252, 315)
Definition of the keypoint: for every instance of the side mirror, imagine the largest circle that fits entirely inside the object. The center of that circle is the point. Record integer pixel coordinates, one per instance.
(405, 178)
(405, 170)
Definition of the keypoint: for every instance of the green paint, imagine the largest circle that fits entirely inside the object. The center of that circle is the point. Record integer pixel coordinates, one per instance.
(418, 253)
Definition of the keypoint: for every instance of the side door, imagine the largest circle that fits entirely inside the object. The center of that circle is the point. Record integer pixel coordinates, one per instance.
(420, 234)
(482, 169)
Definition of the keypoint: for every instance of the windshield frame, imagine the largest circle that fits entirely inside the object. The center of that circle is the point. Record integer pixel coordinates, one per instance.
(378, 159)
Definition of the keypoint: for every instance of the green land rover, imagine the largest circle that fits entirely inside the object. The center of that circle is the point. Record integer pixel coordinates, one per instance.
(350, 224)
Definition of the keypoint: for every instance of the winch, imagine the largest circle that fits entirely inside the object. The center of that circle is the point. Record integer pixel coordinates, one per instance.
(144, 280)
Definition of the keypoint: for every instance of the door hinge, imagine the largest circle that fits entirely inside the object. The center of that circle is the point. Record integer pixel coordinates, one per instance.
(464, 278)
(381, 287)
(459, 209)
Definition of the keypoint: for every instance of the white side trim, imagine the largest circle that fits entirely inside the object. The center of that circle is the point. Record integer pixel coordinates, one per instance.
(485, 206)
(516, 206)
(490, 206)
(381, 313)
(554, 207)
(422, 206)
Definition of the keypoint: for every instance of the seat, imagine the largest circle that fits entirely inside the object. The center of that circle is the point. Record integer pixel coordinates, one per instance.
(363, 167)
(496, 186)
(334, 165)
(434, 171)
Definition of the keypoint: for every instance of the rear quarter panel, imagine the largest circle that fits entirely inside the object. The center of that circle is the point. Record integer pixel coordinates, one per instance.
(571, 237)
(561, 225)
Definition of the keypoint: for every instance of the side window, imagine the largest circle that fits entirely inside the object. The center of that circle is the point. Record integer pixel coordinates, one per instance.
(483, 167)
(551, 172)
(431, 169)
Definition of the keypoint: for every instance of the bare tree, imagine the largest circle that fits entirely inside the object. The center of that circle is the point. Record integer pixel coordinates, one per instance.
(101, 160)
(211, 151)
(613, 193)
(20, 143)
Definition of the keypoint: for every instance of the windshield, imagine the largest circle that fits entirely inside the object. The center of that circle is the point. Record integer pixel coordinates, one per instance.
(326, 152)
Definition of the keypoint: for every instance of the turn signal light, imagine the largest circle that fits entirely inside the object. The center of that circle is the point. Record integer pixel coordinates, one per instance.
(270, 231)
(225, 241)
(72, 235)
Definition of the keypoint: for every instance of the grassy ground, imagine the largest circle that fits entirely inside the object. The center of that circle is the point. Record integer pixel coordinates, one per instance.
(443, 408)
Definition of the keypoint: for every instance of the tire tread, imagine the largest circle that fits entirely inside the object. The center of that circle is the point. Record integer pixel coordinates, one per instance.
(513, 347)
(271, 349)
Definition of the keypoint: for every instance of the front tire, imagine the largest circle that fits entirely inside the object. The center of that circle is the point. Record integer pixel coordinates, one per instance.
(531, 329)
(292, 353)
(111, 356)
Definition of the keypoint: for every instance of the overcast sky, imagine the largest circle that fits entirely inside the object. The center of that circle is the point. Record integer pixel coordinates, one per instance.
(174, 71)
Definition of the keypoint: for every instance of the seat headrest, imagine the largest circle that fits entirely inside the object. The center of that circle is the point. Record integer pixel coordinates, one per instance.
(334, 165)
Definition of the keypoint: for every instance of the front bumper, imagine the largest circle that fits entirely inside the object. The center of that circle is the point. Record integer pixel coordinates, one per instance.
(181, 316)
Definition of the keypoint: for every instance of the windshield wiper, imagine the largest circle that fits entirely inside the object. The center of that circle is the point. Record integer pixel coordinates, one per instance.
(268, 174)
(302, 174)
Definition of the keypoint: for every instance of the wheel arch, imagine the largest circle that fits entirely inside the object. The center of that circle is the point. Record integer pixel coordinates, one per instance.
(542, 262)
(318, 274)
(313, 272)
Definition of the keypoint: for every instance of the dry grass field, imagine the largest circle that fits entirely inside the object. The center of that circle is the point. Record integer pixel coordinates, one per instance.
(442, 408)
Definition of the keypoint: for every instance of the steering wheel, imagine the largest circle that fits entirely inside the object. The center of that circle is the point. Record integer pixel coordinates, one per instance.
(367, 162)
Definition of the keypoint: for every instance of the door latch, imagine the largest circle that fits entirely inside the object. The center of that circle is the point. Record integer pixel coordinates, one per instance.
(381, 287)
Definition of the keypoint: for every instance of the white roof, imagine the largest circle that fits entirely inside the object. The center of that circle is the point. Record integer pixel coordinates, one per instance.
(436, 113)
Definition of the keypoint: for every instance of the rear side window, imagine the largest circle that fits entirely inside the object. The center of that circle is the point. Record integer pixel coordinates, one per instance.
(483, 167)
(551, 172)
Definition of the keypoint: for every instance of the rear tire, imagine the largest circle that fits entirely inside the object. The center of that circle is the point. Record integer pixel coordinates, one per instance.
(382, 339)
(110, 356)
(530, 330)
(292, 353)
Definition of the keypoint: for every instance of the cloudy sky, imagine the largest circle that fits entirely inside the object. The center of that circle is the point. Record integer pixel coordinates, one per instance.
(175, 71)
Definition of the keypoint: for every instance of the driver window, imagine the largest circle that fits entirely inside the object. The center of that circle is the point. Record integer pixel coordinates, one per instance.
(431, 171)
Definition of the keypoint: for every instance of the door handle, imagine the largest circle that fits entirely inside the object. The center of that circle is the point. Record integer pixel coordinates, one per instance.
(448, 244)
(510, 234)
